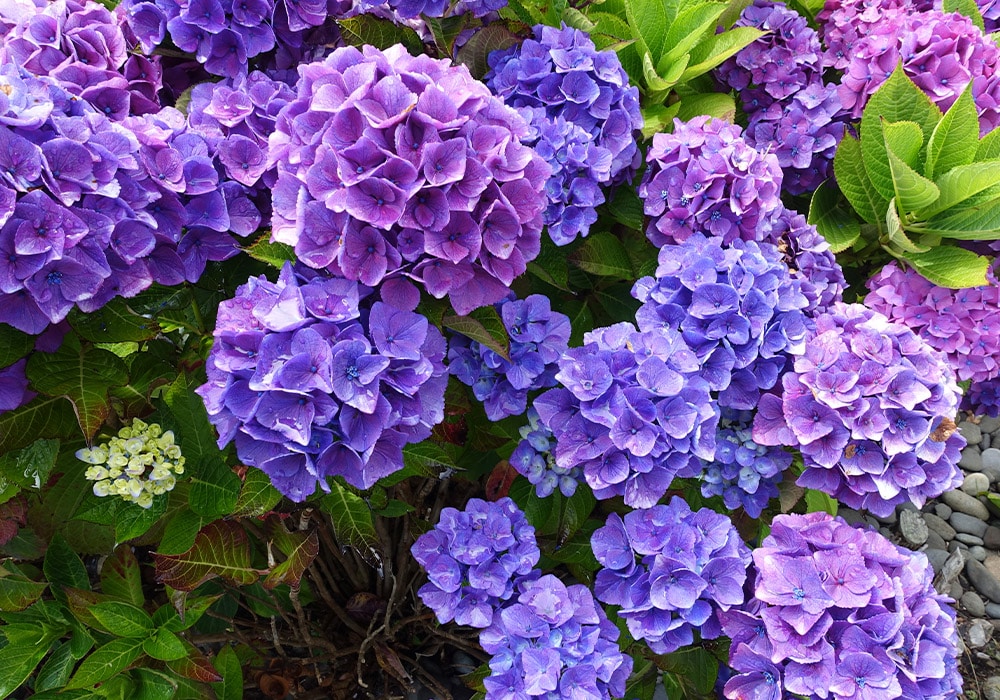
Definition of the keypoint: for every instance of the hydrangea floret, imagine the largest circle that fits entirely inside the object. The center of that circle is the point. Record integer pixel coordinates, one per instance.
(632, 412)
(810, 260)
(964, 324)
(402, 10)
(142, 461)
(840, 613)
(395, 165)
(844, 23)
(554, 642)
(870, 405)
(672, 571)
(310, 385)
(538, 338)
(736, 306)
(705, 177)
(983, 398)
(472, 558)
(584, 117)
(15, 390)
(533, 459)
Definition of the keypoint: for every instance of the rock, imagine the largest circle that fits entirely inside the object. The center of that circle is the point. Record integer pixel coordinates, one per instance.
(972, 459)
(907, 505)
(886, 520)
(993, 473)
(990, 457)
(942, 511)
(978, 553)
(971, 432)
(935, 523)
(978, 633)
(981, 578)
(991, 538)
(976, 483)
(955, 545)
(851, 516)
(993, 610)
(991, 506)
(974, 604)
(964, 503)
(970, 540)
(989, 424)
(913, 527)
(937, 558)
(968, 524)
(991, 688)
(956, 591)
(985, 444)
(950, 570)
(934, 541)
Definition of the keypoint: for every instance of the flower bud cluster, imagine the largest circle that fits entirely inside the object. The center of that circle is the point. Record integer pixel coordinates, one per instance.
(141, 462)
(533, 459)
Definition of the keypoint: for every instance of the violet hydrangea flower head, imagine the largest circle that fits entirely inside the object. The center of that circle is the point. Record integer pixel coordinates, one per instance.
(870, 405)
(472, 558)
(553, 641)
(633, 412)
(810, 260)
(736, 306)
(538, 338)
(942, 53)
(964, 324)
(844, 23)
(983, 398)
(392, 165)
(584, 116)
(404, 10)
(672, 571)
(309, 384)
(15, 390)
(840, 613)
(704, 177)
(533, 459)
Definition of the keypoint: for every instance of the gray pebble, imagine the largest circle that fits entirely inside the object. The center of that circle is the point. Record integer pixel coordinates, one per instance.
(991, 457)
(991, 688)
(937, 558)
(913, 527)
(907, 505)
(956, 591)
(985, 443)
(934, 541)
(982, 579)
(955, 545)
(991, 506)
(978, 553)
(970, 540)
(942, 510)
(950, 570)
(851, 516)
(979, 633)
(968, 524)
(976, 483)
(972, 459)
(939, 526)
(961, 501)
(991, 538)
(993, 611)
(971, 432)
(888, 519)
(974, 604)
(992, 473)
(989, 425)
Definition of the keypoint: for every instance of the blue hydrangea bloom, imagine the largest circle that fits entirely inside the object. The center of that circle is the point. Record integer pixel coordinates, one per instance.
(472, 559)
(983, 398)
(310, 385)
(672, 571)
(538, 338)
(533, 459)
(584, 117)
(809, 259)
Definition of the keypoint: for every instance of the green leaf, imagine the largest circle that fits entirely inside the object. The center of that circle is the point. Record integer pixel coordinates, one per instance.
(969, 8)
(897, 237)
(267, 251)
(717, 48)
(164, 645)
(662, 84)
(134, 521)
(641, 685)
(154, 685)
(395, 509)
(819, 502)
(221, 549)
(380, 33)
(42, 417)
(955, 138)
(657, 118)
(106, 661)
(626, 208)
(123, 619)
(81, 374)
(980, 222)
(17, 661)
(718, 105)
(838, 226)
(476, 51)
(56, 670)
(696, 669)
(30, 467)
(648, 22)
(897, 100)
(189, 421)
(905, 139)
(17, 591)
(13, 344)
(352, 520)
(550, 266)
(257, 496)
(180, 531)
(603, 254)
(228, 666)
(215, 489)
(484, 326)
(62, 567)
(114, 322)
(445, 31)
(300, 549)
(691, 25)
(609, 30)
(989, 146)
(960, 183)
(120, 576)
(913, 190)
(948, 266)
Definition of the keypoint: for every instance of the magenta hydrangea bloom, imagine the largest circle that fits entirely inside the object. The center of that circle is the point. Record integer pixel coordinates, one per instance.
(844, 23)
(584, 117)
(393, 165)
(705, 177)
(941, 53)
(553, 641)
(632, 412)
(671, 571)
(472, 558)
(310, 385)
(840, 613)
(870, 406)
(964, 324)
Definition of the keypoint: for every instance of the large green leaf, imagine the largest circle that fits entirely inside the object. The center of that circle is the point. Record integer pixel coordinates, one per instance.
(948, 266)
(854, 182)
(82, 374)
(609, 31)
(691, 25)
(221, 549)
(378, 32)
(603, 254)
(63, 567)
(17, 661)
(959, 184)
(267, 251)
(475, 53)
(56, 670)
(13, 344)
(228, 666)
(215, 489)
(955, 138)
(898, 239)
(106, 661)
(114, 322)
(484, 326)
(718, 105)
(257, 496)
(837, 225)
(905, 139)
(164, 645)
(717, 48)
(189, 420)
(648, 21)
(30, 467)
(352, 519)
(17, 591)
(120, 576)
(913, 190)
(970, 223)
(299, 549)
(123, 619)
(989, 146)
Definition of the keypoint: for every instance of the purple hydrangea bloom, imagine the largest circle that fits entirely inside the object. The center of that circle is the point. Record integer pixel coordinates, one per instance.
(941, 53)
(404, 10)
(553, 641)
(691, 566)
(584, 116)
(736, 306)
(990, 10)
(533, 459)
(632, 412)
(983, 398)
(310, 385)
(744, 473)
(809, 259)
(705, 177)
(870, 406)
(393, 165)
(844, 23)
(538, 338)
(14, 388)
(472, 559)
(840, 612)
(964, 324)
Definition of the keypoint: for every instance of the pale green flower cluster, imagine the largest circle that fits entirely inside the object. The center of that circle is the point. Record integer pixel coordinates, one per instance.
(142, 461)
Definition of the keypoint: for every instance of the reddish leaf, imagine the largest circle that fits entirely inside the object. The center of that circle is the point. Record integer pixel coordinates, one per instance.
(500, 481)
(120, 576)
(300, 549)
(195, 666)
(221, 549)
